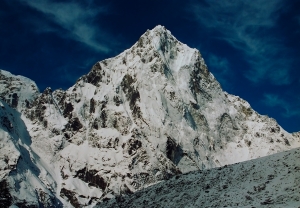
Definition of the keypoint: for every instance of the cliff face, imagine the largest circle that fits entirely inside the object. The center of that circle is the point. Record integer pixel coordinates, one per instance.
(152, 112)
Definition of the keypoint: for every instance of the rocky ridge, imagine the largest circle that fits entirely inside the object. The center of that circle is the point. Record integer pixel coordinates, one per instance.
(150, 113)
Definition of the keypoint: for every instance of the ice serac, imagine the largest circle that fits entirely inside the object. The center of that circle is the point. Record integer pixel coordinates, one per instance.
(152, 112)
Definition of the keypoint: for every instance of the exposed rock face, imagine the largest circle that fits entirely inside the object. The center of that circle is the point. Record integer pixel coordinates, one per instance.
(5, 197)
(150, 113)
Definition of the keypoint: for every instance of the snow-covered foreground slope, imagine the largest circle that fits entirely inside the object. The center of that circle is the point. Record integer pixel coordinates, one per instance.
(150, 113)
(271, 181)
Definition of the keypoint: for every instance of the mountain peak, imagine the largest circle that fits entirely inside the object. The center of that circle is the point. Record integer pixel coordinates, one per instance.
(160, 29)
(151, 112)
(161, 46)
(159, 34)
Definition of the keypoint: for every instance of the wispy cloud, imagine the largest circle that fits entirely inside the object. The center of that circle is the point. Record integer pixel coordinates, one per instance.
(247, 26)
(76, 19)
(221, 69)
(273, 100)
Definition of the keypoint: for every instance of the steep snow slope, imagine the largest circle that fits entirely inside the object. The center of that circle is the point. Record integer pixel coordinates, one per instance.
(21, 175)
(20, 172)
(152, 112)
(271, 181)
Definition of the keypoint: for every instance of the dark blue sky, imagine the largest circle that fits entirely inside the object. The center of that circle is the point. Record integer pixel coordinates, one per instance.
(252, 47)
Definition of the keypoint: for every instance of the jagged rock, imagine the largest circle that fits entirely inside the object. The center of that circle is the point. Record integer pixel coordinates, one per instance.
(5, 198)
(70, 196)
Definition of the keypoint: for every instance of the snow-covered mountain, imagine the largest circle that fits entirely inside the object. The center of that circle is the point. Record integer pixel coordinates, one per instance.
(150, 113)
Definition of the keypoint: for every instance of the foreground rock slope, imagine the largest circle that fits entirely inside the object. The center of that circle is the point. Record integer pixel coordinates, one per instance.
(271, 181)
(150, 113)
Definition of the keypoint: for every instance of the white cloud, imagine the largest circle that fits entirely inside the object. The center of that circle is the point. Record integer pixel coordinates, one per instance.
(273, 100)
(290, 109)
(75, 19)
(246, 25)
